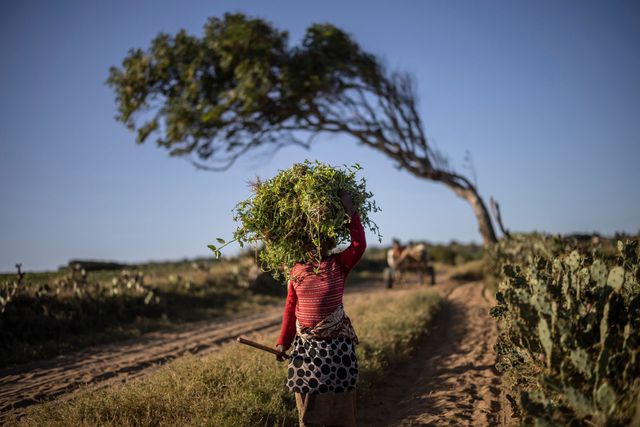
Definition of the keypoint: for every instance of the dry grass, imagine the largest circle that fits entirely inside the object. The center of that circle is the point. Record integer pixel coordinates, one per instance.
(469, 272)
(240, 386)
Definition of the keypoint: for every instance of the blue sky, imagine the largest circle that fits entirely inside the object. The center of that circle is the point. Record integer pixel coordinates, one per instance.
(544, 94)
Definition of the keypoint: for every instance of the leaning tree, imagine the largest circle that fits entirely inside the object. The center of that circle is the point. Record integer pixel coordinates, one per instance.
(240, 87)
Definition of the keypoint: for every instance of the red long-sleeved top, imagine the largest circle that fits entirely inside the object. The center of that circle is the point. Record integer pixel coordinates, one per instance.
(311, 297)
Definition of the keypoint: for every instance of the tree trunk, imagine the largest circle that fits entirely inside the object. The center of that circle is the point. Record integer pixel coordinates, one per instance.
(463, 188)
(495, 209)
(485, 225)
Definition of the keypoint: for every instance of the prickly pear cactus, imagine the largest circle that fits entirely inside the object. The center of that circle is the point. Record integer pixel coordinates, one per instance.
(569, 323)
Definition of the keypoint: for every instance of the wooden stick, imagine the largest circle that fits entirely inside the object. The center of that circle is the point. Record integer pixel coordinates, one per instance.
(263, 347)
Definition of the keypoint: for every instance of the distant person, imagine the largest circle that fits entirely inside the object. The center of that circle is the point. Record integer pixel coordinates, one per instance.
(323, 369)
(395, 255)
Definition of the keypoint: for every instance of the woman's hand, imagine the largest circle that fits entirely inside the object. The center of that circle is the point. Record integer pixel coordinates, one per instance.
(347, 203)
(280, 348)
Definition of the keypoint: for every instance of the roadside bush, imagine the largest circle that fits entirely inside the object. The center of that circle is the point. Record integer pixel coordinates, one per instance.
(569, 323)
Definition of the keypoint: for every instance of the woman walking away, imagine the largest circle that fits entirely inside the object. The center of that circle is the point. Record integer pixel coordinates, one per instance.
(323, 370)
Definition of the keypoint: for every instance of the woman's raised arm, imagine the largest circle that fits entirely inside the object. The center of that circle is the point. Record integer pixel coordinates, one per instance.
(350, 256)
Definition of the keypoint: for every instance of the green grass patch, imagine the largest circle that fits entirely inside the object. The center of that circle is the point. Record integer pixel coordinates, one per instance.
(242, 386)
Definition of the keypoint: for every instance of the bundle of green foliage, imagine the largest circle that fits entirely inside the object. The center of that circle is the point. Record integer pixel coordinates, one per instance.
(298, 211)
(569, 339)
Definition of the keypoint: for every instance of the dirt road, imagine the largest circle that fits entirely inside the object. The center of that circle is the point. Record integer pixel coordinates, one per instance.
(450, 380)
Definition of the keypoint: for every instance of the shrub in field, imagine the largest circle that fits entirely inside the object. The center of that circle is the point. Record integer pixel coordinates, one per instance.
(298, 210)
(9, 289)
(34, 317)
(50, 313)
(569, 331)
(454, 253)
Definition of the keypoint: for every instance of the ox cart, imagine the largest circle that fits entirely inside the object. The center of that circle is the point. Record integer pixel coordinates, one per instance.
(413, 260)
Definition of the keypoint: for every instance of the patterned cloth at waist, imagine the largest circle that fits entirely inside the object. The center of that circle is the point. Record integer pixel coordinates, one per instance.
(334, 325)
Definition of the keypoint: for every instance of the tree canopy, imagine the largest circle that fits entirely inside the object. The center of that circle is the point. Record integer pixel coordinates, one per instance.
(241, 87)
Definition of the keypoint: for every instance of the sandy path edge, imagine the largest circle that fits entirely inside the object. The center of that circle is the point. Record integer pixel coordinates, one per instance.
(450, 379)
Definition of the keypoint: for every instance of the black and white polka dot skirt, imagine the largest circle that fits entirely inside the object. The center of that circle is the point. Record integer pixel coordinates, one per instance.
(322, 366)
